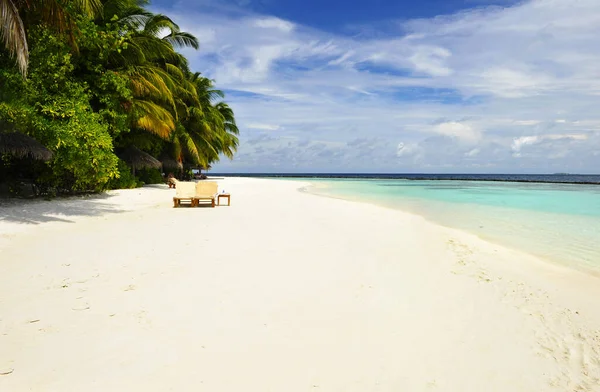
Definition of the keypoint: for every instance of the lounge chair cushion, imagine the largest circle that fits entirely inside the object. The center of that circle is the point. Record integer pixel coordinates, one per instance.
(206, 190)
(185, 190)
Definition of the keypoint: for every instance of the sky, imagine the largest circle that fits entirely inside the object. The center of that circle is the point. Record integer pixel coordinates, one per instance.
(399, 86)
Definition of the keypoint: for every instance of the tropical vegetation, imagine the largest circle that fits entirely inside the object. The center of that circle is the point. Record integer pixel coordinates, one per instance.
(94, 80)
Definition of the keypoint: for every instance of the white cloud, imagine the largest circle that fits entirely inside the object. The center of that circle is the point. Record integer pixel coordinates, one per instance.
(499, 81)
(342, 59)
(568, 136)
(266, 127)
(473, 152)
(274, 23)
(520, 142)
(406, 149)
(527, 122)
(431, 59)
(458, 130)
(512, 83)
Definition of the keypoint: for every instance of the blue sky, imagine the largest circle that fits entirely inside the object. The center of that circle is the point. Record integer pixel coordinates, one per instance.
(404, 86)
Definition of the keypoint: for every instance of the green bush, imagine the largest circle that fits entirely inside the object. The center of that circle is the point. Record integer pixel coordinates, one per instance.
(125, 178)
(54, 108)
(150, 176)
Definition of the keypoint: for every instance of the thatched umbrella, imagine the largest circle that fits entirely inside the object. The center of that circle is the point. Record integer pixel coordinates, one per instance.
(171, 164)
(139, 159)
(20, 145)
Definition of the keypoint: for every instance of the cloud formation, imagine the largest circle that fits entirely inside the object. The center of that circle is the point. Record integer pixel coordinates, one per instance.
(492, 89)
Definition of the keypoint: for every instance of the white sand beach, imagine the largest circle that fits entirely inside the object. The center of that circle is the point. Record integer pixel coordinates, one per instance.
(282, 291)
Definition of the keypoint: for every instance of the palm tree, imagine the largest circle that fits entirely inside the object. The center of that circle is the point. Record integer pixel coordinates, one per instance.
(15, 13)
(169, 101)
(228, 135)
(208, 127)
(153, 68)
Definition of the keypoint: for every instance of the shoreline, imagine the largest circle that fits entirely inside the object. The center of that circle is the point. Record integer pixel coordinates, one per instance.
(533, 262)
(283, 290)
(594, 272)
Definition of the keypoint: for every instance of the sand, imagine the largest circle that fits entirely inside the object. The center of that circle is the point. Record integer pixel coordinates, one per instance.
(282, 291)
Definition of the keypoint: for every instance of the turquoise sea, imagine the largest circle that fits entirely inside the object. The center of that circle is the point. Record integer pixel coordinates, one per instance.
(559, 222)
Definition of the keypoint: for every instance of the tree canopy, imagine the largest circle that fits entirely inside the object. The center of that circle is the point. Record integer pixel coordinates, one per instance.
(92, 79)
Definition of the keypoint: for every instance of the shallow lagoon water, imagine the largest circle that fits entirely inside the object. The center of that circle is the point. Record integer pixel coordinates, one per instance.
(558, 222)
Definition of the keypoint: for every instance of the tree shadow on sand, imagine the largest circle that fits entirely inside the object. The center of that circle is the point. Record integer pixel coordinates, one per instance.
(57, 210)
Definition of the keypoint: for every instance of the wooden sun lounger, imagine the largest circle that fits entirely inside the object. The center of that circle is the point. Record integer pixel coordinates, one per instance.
(205, 191)
(185, 191)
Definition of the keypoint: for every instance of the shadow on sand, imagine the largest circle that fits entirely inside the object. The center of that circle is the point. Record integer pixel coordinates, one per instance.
(57, 210)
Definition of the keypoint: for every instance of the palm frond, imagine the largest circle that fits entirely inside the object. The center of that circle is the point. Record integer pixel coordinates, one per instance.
(177, 150)
(153, 48)
(183, 110)
(229, 145)
(133, 18)
(153, 82)
(196, 112)
(190, 147)
(157, 23)
(182, 40)
(12, 32)
(182, 62)
(153, 118)
(175, 71)
(90, 8)
(131, 56)
(208, 152)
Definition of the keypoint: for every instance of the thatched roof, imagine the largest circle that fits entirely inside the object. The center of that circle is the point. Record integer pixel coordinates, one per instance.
(139, 159)
(20, 145)
(169, 163)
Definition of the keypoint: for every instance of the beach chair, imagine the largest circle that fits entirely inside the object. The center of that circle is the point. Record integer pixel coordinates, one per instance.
(185, 191)
(172, 182)
(205, 191)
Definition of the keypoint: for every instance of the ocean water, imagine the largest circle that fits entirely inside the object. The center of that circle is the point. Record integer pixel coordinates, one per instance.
(556, 221)
(528, 178)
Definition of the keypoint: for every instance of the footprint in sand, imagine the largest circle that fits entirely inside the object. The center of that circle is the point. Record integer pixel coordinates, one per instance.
(577, 353)
(483, 277)
(467, 266)
(142, 317)
(82, 305)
